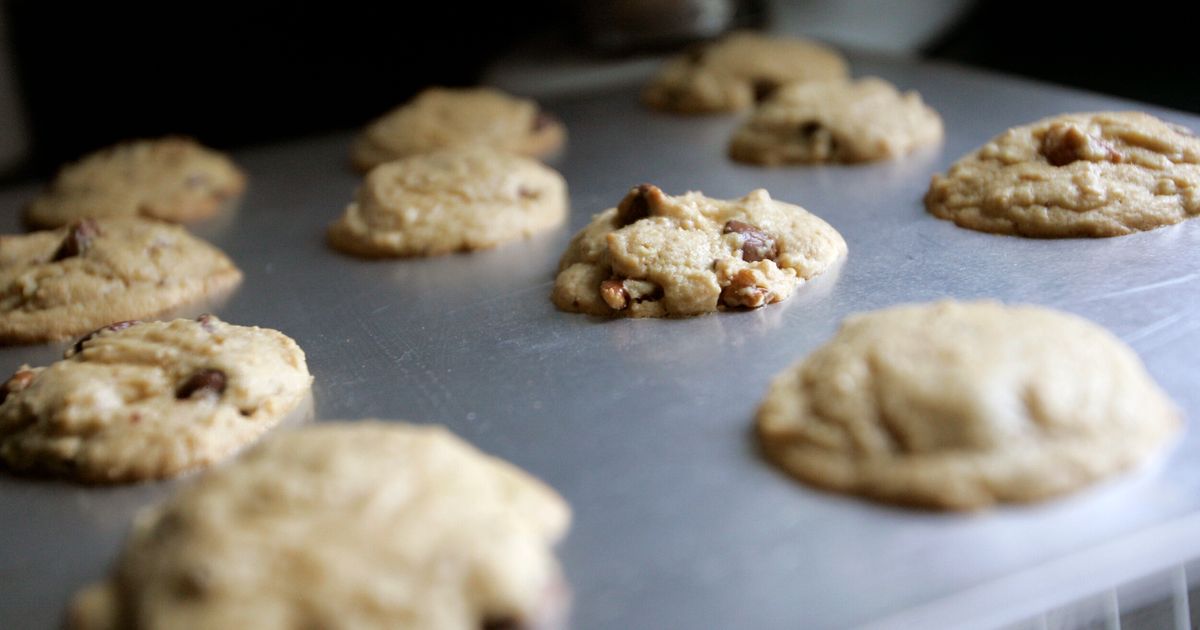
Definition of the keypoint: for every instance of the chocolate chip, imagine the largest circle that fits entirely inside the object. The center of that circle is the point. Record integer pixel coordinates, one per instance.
(637, 204)
(544, 120)
(1063, 144)
(78, 240)
(109, 328)
(613, 292)
(501, 623)
(809, 129)
(208, 322)
(202, 383)
(763, 89)
(756, 244)
(16, 383)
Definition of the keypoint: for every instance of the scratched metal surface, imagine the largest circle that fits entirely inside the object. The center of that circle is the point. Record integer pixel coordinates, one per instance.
(644, 425)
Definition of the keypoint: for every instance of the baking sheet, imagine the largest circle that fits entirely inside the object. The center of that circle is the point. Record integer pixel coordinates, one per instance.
(644, 426)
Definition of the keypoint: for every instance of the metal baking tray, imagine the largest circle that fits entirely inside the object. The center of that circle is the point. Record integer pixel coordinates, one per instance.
(645, 426)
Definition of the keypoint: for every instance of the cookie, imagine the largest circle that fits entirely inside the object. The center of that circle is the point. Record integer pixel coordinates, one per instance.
(453, 117)
(964, 405)
(1101, 174)
(65, 282)
(173, 179)
(836, 121)
(736, 72)
(147, 400)
(660, 256)
(457, 199)
(343, 525)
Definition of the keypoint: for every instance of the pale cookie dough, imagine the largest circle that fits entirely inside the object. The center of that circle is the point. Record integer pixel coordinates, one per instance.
(173, 179)
(453, 117)
(734, 73)
(836, 121)
(343, 525)
(146, 400)
(660, 256)
(450, 200)
(963, 405)
(65, 282)
(1103, 174)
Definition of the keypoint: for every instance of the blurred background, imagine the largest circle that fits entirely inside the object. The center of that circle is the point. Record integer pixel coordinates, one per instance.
(76, 76)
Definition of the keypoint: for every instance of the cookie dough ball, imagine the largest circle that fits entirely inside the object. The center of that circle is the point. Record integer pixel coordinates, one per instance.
(660, 256)
(737, 71)
(836, 121)
(963, 405)
(453, 117)
(172, 179)
(450, 200)
(343, 525)
(147, 400)
(1103, 174)
(65, 282)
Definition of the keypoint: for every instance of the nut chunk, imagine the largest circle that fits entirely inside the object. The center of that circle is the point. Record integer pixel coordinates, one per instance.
(655, 255)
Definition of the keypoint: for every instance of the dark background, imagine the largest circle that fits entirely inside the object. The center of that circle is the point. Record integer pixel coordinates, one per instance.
(236, 73)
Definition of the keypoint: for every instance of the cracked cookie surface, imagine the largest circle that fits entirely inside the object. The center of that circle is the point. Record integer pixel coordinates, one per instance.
(147, 400)
(836, 121)
(451, 117)
(660, 256)
(1100, 174)
(737, 71)
(173, 179)
(450, 200)
(963, 405)
(353, 525)
(65, 282)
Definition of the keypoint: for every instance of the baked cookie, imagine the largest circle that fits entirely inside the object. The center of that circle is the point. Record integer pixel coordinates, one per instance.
(962, 405)
(465, 198)
(64, 282)
(451, 117)
(660, 256)
(173, 179)
(343, 525)
(147, 400)
(1103, 174)
(836, 121)
(739, 70)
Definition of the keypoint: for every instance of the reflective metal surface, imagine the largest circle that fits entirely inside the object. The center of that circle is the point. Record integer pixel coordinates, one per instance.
(644, 426)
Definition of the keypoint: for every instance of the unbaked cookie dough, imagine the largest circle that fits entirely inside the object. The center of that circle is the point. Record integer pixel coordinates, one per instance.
(64, 282)
(963, 405)
(450, 117)
(1102, 174)
(737, 71)
(836, 121)
(660, 256)
(147, 400)
(450, 200)
(343, 525)
(173, 179)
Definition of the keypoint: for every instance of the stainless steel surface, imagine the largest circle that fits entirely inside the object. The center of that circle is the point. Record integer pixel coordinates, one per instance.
(644, 426)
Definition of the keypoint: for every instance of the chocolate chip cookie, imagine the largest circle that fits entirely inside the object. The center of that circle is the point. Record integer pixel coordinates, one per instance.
(836, 121)
(655, 255)
(173, 179)
(146, 400)
(452, 117)
(64, 282)
(349, 525)
(736, 72)
(459, 199)
(964, 405)
(1101, 174)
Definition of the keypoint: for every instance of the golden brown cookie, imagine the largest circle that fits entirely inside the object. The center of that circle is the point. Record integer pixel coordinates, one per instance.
(173, 179)
(349, 525)
(1102, 174)
(65, 282)
(655, 255)
(453, 117)
(963, 405)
